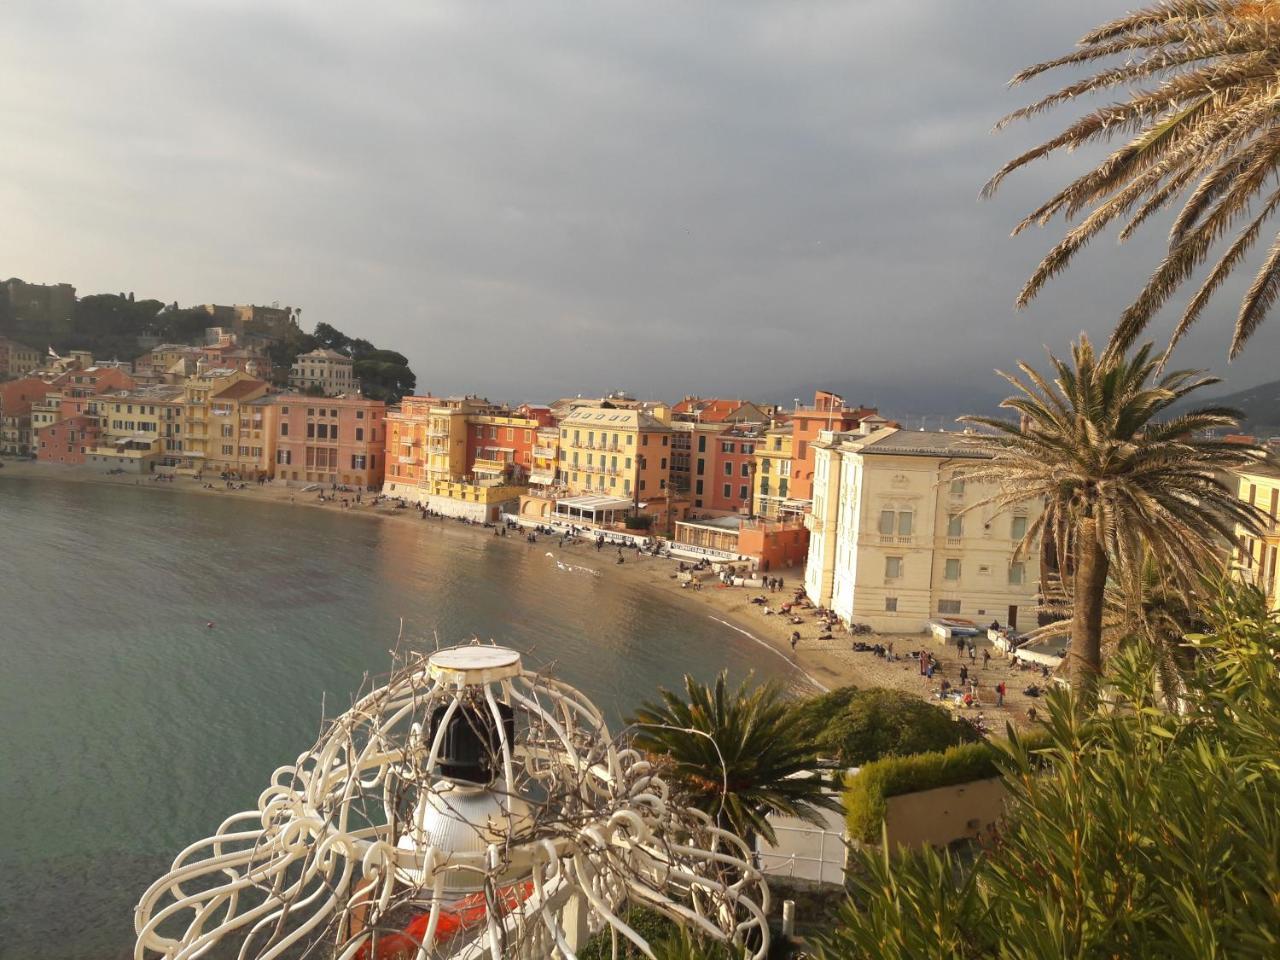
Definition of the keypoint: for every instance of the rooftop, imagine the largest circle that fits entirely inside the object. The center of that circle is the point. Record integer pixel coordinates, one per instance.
(613, 419)
(240, 390)
(923, 443)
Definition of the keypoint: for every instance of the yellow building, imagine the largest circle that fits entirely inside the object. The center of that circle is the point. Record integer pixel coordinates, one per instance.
(546, 457)
(1254, 560)
(771, 479)
(238, 440)
(141, 429)
(203, 440)
(619, 453)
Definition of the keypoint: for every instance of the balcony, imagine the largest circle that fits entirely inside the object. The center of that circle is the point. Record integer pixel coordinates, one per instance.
(484, 465)
(407, 461)
(548, 453)
(953, 541)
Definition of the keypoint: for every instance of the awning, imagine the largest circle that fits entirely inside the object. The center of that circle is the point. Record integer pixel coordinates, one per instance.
(592, 504)
(491, 471)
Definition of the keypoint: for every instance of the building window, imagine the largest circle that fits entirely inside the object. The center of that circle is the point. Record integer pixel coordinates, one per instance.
(892, 568)
(948, 606)
(955, 525)
(744, 492)
(726, 448)
(698, 488)
(1017, 573)
(359, 414)
(728, 469)
(359, 433)
(1018, 528)
(951, 569)
(284, 429)
(886, 523)
(890, 604)
(728, 490)
(702, 444)
(957, 486)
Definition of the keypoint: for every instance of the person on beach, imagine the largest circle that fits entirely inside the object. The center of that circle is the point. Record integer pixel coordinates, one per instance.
(986, 657)
(795, 638)
(1000, 694)
(973, 651)
(964, 673)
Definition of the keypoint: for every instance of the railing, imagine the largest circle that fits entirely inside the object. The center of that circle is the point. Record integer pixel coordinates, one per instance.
(408, 460)
(953, 541)
(548, 452)
(484, 464)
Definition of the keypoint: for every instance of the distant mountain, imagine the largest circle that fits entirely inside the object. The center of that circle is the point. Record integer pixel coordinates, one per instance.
(1260, 406)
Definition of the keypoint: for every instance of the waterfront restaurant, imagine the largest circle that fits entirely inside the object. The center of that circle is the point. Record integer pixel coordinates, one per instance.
(715, 539)
(594, 511)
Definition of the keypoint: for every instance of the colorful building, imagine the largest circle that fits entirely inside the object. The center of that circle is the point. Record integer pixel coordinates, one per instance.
(330, 440)
(767, 545)
(828, 413)
(201, 438)
(17, 397)
(771, 483)
(731, 482)
(898, 536)
(68, 441)
(1255, 558)
(141, 430)
(238, 438)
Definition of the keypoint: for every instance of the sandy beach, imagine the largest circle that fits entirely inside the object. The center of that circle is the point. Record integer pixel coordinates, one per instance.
(828, 663)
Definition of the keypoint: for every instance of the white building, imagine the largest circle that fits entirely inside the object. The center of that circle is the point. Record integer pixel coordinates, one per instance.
(327, 369)
(891, 543)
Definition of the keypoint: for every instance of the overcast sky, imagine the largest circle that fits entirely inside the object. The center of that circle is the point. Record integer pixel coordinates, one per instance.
(535, 199)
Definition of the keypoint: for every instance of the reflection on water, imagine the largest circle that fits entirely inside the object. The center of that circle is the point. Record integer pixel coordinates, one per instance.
(129, 728)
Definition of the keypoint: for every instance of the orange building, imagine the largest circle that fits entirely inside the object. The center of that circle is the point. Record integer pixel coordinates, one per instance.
(329, 440)
(827, 413)
(730, 480)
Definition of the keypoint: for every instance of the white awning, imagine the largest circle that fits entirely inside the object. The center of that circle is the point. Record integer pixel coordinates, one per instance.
(590, 504)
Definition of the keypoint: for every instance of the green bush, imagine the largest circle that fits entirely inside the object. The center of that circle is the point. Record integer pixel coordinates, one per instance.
(854, 727)
(642, 522)
(650, 924)
(1135, 832)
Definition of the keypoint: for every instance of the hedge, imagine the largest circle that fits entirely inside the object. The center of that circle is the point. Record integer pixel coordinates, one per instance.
(866, 791)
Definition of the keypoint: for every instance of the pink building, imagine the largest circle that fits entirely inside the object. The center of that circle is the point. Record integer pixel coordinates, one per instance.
(68, 440)
(330, 440)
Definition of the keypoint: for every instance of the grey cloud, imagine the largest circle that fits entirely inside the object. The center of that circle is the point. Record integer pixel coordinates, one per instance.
(538, 198)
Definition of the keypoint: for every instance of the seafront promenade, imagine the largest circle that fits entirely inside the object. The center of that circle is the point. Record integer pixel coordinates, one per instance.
(826, 659)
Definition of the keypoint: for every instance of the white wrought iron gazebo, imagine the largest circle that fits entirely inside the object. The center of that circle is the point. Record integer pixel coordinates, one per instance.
(466, 809)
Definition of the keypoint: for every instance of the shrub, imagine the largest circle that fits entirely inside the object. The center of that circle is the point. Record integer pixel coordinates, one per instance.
(1134, 832)
(642, 522)
(855, 727)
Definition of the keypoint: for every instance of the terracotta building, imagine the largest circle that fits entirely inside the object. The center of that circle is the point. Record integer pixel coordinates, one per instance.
(68, 441)
(827, 413)
(330, 440)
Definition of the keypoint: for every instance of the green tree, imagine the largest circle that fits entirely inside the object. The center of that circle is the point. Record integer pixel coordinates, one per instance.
(853, 727)
(385, 375)
(1118, 484)
(735, 754)
(1197, 102)
(1140, 832)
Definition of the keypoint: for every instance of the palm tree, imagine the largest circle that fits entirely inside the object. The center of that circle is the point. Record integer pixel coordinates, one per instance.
(1198, 103)
(1118, 484)
(735, 755)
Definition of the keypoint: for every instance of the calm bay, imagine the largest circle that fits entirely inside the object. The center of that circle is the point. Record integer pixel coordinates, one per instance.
(129, 728)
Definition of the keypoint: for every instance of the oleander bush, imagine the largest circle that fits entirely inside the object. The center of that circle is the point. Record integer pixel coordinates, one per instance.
(1135, 831)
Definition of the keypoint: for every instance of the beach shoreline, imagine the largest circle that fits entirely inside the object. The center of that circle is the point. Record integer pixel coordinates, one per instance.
(826, 662)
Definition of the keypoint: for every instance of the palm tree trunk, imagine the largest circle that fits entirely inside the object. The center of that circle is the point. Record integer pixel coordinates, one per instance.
(1090, 581)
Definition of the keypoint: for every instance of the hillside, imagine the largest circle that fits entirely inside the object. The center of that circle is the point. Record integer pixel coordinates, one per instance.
(116, 327)
(1260, 406)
